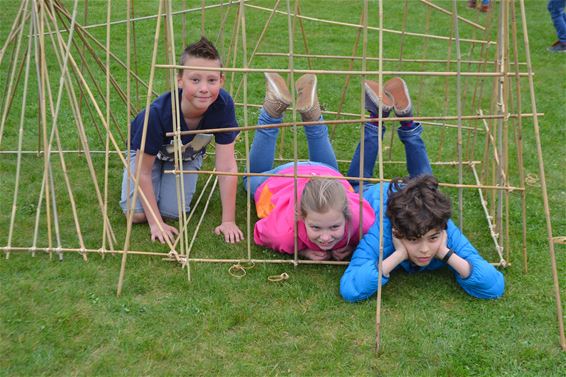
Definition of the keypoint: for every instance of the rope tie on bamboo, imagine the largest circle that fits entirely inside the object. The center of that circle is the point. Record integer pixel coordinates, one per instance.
(174, 256)
(238, 270)
(275, 278)
(532, 180)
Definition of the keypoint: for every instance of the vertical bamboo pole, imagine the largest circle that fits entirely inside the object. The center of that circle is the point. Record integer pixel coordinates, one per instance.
(107, 141)
(519, 137)
(245, 64)
(381, 204)
(459, 111)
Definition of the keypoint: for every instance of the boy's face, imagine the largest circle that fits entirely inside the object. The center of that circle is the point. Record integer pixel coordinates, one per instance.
(200, 88)
(325, 229)
(421, 251)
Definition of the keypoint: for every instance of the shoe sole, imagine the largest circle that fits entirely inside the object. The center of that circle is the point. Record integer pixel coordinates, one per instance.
(397, 88)
(306, 92)
(372, 89)
(278, 87)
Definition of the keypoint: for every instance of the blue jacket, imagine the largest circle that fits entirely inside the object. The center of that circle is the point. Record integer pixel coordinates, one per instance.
(359, 282)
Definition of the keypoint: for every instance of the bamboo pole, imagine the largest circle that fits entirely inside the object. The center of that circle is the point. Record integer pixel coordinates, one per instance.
(543, 183)
(358, 26)
(20, 142)
(372, 59)
(519, 142)
(381, 203)
(344, 72)
(166, 257)
(11, 87)
(459, 111)
(66, 80)
(138, 165)
(245, 63)
(290, 124)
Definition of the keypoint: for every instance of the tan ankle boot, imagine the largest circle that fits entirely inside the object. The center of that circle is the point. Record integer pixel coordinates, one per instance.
(277, 96)
(307, 99)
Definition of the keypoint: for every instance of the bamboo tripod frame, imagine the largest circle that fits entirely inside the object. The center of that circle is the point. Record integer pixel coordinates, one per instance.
(67, 67)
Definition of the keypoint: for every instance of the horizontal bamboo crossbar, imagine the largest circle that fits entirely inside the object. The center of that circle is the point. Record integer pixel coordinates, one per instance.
(374, 59)
(372, 180)
(346, 72)
(390, 119)
(166, 256)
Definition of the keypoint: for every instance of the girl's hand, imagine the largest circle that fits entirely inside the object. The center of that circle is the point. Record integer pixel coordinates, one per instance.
(318, 255)
(344, 253)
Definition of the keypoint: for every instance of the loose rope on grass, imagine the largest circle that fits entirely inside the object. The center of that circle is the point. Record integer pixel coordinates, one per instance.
(532, 180)
(276, 278)
(238, 270)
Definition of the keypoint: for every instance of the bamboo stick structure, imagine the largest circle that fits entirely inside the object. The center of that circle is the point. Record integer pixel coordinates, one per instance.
(63, 155)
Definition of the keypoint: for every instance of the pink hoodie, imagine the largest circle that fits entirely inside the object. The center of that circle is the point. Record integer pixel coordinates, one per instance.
(275, 207)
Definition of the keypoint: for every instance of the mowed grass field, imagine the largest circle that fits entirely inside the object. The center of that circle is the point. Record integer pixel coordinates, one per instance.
(63, 317)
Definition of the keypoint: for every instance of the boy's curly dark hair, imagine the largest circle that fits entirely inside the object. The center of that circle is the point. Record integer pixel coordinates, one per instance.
(415, 206)
(201, 49)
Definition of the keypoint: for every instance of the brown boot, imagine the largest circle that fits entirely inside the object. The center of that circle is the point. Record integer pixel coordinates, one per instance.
(397, 88)
(307, 99)
(277, 96)
(375, 99)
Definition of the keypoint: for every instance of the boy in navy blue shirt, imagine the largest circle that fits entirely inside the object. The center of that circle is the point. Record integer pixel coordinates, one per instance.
(203, 104)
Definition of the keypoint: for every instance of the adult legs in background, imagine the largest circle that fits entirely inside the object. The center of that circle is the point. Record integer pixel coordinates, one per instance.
(558, 16)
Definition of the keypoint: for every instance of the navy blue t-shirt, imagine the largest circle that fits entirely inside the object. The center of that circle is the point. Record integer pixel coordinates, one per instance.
(221, 114)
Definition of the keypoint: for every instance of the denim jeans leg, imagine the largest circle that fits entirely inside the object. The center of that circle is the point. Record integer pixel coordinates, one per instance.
(262, 151)
(155, 178)
(556, 10)
(167, 199)
(371, 147)
(415, 150)
(320, 149)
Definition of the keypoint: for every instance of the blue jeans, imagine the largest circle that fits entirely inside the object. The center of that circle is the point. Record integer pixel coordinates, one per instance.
(415, 152)
(556, 10)
(164, 186)
(262, 151)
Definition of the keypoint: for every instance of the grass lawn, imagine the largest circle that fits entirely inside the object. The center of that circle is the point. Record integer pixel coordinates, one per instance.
(63, 318)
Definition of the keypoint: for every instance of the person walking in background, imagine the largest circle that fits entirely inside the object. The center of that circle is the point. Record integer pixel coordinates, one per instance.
(484, 7)
(556, 10)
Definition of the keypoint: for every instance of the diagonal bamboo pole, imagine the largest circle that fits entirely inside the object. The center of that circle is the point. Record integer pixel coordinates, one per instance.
(543, 182)
(140, 155)
(19, 148)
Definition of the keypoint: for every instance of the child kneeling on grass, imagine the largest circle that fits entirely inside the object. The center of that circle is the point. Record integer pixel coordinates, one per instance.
(418, 234)
(203, 104)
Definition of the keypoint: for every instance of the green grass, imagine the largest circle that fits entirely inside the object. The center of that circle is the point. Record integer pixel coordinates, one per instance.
(63, 318)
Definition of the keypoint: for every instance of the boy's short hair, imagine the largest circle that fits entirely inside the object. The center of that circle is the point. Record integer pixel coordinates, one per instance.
(415, 206)
(201, 49)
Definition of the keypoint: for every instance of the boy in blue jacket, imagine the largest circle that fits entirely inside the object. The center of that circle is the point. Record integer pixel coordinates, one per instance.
(418, 234)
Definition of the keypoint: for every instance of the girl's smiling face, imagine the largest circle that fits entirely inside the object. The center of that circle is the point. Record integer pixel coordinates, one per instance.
(325, 229)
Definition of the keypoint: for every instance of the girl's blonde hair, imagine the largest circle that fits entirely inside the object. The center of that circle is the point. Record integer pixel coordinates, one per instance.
(321, 195)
